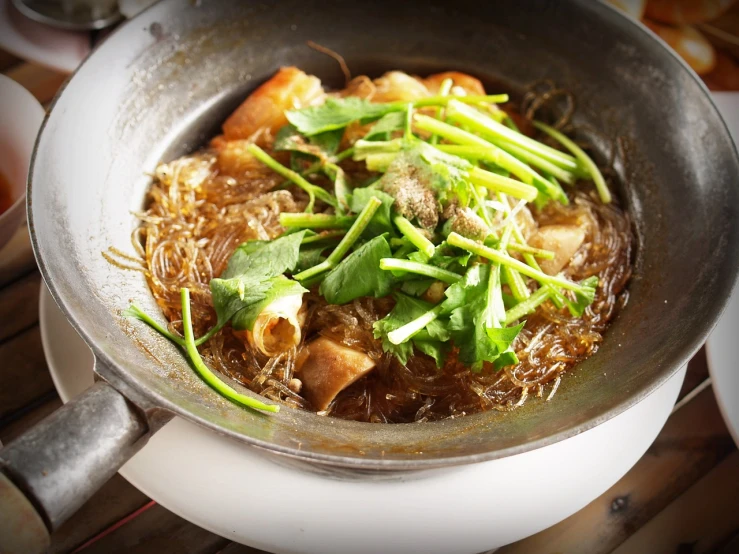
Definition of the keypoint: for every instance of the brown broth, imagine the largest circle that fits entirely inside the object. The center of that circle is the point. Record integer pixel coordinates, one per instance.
(202, 206)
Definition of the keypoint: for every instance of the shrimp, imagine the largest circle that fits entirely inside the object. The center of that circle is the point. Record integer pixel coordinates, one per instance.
(396, 86)
(686, 12)
(690, 43)
(264, 110)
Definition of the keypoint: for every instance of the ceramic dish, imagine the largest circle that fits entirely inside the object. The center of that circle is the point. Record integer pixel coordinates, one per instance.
(20, 119)
(217, 483)
(722, 348)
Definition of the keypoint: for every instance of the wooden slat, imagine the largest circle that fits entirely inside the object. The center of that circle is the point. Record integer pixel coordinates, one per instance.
(16, 257)
(114, 501)
(693, 441)
(703, 518)
(19, 305)
(8, 60)
(41, 82)
(23, 373)
(158, 531)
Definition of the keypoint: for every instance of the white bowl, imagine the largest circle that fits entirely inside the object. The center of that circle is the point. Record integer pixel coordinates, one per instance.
(290, 507)
(20, 120)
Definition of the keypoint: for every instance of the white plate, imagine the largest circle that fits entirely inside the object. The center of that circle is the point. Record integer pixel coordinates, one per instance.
(722, 347)
(283, 506)
(59, 50)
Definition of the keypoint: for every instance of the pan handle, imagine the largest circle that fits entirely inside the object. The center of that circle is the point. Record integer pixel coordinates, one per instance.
(50, 471)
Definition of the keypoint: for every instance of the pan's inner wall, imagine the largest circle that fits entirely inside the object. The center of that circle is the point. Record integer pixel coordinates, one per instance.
(161, 85)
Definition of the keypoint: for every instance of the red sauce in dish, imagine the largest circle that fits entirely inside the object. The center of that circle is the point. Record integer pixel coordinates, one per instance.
(6, 194)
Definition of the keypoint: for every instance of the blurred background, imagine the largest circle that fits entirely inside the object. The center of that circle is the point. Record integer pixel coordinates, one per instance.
(704, 32)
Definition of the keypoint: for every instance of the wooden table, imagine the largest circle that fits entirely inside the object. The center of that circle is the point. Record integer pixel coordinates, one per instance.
(681, 497)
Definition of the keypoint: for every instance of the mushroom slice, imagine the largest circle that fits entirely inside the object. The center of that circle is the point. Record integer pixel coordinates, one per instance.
(277, 328)
(563, 240)
(327, 368)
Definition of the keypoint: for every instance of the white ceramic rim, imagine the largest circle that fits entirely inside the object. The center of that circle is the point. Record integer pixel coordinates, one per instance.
(722, 348)
(721, 351)
(21, 116)
(301, 506)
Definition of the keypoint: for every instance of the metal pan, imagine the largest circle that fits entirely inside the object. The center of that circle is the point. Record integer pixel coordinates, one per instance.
(161, 85)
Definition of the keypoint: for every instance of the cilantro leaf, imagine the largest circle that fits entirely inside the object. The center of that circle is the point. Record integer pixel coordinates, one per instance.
(438, 350)
(309, 257)
(416, 287)
(381, 222)
(386, 125)
(265, 259)
(322, 145)
(584, 297)
(232, 295)
(469, 304)
(251, 274)
(359, 274)
(406, 310)
(502, 338)
(446, 257)
(336, 113)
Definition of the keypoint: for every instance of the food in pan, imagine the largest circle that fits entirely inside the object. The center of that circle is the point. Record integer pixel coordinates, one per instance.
(405, 249)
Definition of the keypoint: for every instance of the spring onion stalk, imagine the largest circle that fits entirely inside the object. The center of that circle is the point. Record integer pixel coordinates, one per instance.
(459, 113)
(446, 100)
(527, 306)
(402, 334)
(316, 221)
(498, 183)
(414, 235)
(357, 228)
(444, 88)
(398, 241)
(312, 190)
(555, 183)
(316, 166)
(499, 257)
(408, 131)
(582, 157)
(511, 124)
(204, 371)
(492, 153)
(536, 252)
(484, 211)
(569, 177)
(519, 290)
(134, 311)
(404, 250)
(331, 235)
(394, 264)
(515, 281)
(379, 162)
(487, 154)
